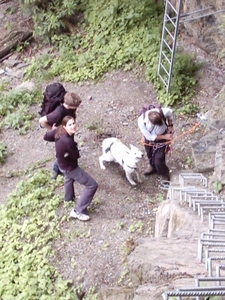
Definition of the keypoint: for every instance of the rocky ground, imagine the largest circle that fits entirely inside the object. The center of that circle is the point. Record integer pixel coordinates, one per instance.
(95, 252)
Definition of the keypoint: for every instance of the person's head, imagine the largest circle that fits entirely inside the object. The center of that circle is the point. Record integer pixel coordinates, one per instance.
(155, 118)
(72, 100)
(68, 125)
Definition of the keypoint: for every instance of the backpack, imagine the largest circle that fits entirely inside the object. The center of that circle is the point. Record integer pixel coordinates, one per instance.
(151, 106)
(53, 97)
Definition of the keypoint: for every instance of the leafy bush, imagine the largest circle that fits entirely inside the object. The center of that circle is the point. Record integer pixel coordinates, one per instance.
(20, 119)
(50, 17)
(15, 106)
(3, 153)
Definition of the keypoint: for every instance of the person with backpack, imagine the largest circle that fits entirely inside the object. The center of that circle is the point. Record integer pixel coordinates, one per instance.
(67, 155)
(53, 119)
(156, 134)
(71, 102)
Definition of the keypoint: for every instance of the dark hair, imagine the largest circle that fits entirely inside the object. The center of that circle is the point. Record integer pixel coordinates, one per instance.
(61, 130)
(155, 118)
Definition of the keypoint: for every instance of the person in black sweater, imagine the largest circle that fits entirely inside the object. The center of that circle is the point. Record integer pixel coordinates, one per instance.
(67, 155)
(71, 102)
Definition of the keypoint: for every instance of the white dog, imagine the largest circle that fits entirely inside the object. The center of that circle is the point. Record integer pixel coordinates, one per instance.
(114, 150)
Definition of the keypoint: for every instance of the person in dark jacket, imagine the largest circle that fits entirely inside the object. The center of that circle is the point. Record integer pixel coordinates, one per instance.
(71, 102)
(67, 155)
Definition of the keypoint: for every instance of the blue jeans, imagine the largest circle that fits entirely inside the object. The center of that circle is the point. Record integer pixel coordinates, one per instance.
(56, 167)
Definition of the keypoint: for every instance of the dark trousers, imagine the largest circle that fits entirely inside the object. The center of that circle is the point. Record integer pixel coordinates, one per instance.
(157, 158)
(87, 194)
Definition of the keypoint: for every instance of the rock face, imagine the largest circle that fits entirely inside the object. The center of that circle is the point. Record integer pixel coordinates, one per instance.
(207, 146)
(173, 220)
(208, 152)
(154, 271)
(207, 24)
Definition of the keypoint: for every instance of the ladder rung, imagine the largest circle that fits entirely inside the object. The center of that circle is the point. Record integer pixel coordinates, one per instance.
(165, 83)
(173, 8)
(164, 69)
(170, 20)
(164, 41)
(170, 34)
(164, 55)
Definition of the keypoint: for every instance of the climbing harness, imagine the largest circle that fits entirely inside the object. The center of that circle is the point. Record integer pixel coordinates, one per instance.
(151, 144)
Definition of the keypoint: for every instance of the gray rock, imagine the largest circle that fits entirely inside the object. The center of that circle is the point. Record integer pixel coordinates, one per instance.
(27, 85)
(204, 150)
(11, 62)
(12, 73)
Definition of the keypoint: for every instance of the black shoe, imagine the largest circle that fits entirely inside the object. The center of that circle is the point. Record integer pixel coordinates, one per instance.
(164, 184)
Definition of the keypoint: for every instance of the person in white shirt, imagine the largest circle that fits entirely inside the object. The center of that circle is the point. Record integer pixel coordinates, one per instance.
(156, 126)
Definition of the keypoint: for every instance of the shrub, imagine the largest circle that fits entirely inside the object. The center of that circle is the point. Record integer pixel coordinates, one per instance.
(14, 107)
(3, 153)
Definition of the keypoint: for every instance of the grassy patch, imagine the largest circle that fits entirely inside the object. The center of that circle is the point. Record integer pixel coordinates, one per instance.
(29, 224)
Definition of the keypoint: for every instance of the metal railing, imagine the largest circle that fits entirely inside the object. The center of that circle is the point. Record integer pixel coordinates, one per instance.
(203, 202)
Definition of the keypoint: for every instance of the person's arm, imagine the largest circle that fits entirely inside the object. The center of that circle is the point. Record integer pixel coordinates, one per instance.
(73, 150)
(44, 123)
(50, 135)
(167, 136)
(142, 126)
(168, 113)
(52, 118)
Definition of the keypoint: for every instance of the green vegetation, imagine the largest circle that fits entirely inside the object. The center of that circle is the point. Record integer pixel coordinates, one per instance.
(218, 186)
(3, 153)
(15, 107)
(137, 227)
(29, 224)
(101, 37)
(96, 128)
(189, 162)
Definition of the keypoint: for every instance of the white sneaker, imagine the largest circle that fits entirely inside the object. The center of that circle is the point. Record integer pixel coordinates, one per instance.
(79, 216)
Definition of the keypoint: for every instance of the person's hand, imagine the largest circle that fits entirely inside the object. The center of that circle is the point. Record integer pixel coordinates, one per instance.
(168, 136)
(54, 126)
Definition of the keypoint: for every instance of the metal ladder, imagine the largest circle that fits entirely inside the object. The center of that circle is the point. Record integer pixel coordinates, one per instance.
(168, 43)
(172, 18)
